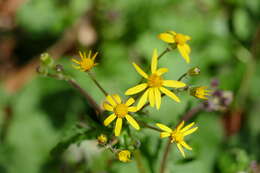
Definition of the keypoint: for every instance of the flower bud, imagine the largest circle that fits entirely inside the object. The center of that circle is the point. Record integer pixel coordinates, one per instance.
(200, 92)
(102, 139)
(194, 71)
(124, 156)
(46, 60)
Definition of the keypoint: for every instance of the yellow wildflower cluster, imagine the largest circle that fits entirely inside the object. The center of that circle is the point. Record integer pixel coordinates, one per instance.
(152, 88)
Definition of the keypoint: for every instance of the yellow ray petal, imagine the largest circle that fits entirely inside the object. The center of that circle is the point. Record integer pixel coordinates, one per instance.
(94, 56)
(172, 32)
(187, 48)
(151, 97)
(140, 71)
(111, 100)
(180, 126)
(183, 143)
(118, 126)
(154, 61)
(161, 71)
(142, 100)
(109, 119)
(181, 150)
(166, 37)
(157, 94)
(187, 37)
(184, 53)
(81, 55)
(187, 127)
(132, 121)
(76, 67)
(164, 134)
(190, 131)
(170, 94)
(116, 98)
(75, 61)
(132, 109)
(173, 83)
(164, 127)
(136, 89)
(107, 106)
(130, 101)
(89, 54)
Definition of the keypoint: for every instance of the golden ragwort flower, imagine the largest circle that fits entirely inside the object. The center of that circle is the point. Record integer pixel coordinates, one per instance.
(180, 40)
(114, 104)
(177, 135)
(200, 92)
(124, 156)
(154, 85)
(102, 139)
(86, 63)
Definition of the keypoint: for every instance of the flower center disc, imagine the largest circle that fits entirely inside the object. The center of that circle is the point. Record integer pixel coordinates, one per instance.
(176, 136)
(180, 39)
(87, 63)
(155, 81)
(121, 110)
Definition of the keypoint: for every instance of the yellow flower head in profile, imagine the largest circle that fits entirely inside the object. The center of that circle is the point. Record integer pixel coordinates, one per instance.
(177, 135)
(86, 63)
(102, 139)
(180, 40)
(155, 85)
(200, 92)
(124, 156)
(120, 111)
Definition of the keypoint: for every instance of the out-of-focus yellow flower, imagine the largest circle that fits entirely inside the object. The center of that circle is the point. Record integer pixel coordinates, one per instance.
(86, 63)
(124, 156)
(120, 110)
(177, 135)
(102, 139)
(200, 92)
(155, 85)
(180, 40)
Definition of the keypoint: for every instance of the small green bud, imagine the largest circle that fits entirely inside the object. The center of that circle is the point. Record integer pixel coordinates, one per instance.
(47, 60)
(195, 71)
(59, 68)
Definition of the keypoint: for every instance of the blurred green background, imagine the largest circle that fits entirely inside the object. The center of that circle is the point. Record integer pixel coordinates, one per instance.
(38, 112)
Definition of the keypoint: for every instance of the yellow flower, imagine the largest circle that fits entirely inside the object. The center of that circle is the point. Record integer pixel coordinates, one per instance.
(180, 40)
(124, 156)
(102, 139)
(177, 135)
(86, 63)
(154, 85)
(114, 104)
(200, 92)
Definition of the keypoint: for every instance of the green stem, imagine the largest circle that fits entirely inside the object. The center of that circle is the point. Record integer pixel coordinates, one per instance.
(165, 156)
(97, 84)
(163, 53)
(182, 76)
(148, 126)
(139, 162)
